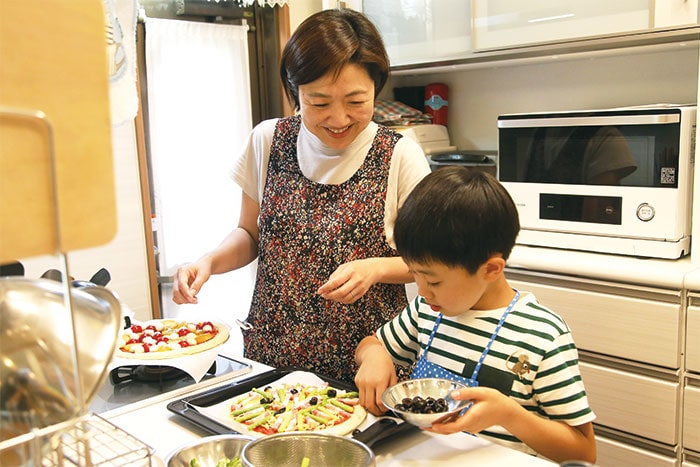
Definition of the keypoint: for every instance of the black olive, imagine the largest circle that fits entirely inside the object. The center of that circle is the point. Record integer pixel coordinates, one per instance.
(280, 411)
(418, 404)
(294, 391)
(332, 393)
(313, 400)
(265, 400)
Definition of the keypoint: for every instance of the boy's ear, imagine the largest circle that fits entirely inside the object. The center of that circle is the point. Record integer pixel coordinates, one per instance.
(495, 266)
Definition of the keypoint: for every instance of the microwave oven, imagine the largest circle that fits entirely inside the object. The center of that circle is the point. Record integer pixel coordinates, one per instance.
(611, 181)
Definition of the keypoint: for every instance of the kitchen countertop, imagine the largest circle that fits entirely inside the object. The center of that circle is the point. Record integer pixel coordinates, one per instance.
(627, 269)
(152, 423)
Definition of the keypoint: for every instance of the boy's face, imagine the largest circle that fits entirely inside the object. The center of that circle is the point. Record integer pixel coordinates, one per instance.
(448, 289)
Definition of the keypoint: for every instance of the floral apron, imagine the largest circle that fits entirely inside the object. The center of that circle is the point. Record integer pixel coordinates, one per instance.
(307, 230)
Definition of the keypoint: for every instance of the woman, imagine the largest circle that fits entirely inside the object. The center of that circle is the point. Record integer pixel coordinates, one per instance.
(321, 191)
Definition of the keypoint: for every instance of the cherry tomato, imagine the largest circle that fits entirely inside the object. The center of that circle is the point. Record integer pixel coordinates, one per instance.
(205, 323)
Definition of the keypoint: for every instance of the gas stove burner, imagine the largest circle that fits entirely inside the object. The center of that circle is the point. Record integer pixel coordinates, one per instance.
(150, 373)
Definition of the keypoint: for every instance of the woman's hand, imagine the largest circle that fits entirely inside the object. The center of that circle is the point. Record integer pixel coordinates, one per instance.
(350, 281)
(353, 279)
(188, 281)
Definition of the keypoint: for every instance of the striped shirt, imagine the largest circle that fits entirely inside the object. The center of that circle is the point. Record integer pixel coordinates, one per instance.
(533, 360)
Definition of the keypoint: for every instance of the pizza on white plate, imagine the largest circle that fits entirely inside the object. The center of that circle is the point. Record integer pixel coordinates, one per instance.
(285, 407)
(169, 338)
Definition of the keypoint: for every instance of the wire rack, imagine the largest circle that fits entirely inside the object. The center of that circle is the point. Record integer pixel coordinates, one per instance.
(86, 441)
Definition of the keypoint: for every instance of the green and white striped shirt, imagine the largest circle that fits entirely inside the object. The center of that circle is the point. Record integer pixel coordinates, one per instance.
(533, 360)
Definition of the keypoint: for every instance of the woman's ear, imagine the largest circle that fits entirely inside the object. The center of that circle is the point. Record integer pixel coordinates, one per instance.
(494, 267)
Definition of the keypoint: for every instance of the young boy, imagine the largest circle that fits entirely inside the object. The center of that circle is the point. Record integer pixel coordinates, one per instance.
(455, 232)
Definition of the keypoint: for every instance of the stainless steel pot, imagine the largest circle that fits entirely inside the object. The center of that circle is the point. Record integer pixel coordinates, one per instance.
(39, 385)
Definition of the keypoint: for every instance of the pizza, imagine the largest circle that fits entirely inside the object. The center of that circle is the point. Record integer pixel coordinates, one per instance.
(285, 407)
(169, 338)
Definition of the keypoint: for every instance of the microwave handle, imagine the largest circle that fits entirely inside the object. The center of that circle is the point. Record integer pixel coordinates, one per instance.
(603, 120)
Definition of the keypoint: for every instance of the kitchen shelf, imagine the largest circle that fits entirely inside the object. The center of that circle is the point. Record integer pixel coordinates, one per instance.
(613, 44)
(86, 441)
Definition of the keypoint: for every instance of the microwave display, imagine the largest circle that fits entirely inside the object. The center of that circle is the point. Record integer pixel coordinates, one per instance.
(635, 150)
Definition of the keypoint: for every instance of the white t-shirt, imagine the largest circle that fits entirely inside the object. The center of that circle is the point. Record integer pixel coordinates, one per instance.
(325, 165)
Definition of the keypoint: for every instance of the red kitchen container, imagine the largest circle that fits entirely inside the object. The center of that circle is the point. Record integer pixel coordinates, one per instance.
(436, 102)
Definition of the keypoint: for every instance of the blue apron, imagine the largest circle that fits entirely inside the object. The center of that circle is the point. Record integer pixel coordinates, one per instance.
(427, 369)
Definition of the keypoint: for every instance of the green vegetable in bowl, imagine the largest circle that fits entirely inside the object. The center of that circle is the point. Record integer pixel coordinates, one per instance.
(224, 462)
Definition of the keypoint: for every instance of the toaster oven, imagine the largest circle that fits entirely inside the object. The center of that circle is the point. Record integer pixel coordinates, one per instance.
(612, 180)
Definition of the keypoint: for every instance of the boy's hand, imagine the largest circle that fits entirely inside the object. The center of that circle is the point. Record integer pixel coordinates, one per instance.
(490, 407)
(376, 373)
(371, 384)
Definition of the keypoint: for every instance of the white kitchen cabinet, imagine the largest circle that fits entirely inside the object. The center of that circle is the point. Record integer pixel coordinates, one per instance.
(616, 453)
(420, 31)
(423, 32)
(692, 343)
(507, 23)
(633, 403)
(691, 418)
(614, 320)
(670, 13)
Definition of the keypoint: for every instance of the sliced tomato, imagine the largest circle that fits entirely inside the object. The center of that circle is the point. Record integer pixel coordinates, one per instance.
(265, 430)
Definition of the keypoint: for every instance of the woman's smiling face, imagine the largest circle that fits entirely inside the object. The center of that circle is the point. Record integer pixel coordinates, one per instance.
(338, 108)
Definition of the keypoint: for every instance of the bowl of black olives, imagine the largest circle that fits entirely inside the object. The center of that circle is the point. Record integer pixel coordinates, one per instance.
(424, 401)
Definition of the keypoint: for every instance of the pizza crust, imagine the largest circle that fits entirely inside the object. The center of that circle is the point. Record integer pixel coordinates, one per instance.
(221, 337)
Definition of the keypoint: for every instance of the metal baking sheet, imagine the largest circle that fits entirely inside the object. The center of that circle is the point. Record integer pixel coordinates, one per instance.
(187, 406)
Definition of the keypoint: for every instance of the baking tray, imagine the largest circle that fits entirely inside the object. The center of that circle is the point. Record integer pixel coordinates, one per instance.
(383, 429)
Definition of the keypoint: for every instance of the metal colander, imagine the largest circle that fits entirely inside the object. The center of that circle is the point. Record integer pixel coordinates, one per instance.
(290, 449)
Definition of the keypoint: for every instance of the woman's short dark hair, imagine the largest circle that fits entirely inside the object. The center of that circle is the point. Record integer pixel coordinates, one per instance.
(326, 42)
(457, 217)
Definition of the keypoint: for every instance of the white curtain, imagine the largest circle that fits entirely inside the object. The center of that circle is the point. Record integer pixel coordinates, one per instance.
(199, 117)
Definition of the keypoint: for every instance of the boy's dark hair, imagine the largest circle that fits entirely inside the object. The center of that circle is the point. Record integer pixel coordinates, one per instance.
(327, 41)
(457, 217)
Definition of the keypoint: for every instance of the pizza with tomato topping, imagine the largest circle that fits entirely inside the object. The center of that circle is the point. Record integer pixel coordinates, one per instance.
(169, 338)
(284, 407)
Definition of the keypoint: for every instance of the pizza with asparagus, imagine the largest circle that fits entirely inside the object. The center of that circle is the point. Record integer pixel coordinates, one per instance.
(285, 407)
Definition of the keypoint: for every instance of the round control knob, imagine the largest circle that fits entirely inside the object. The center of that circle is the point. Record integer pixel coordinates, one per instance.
(645, 212)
